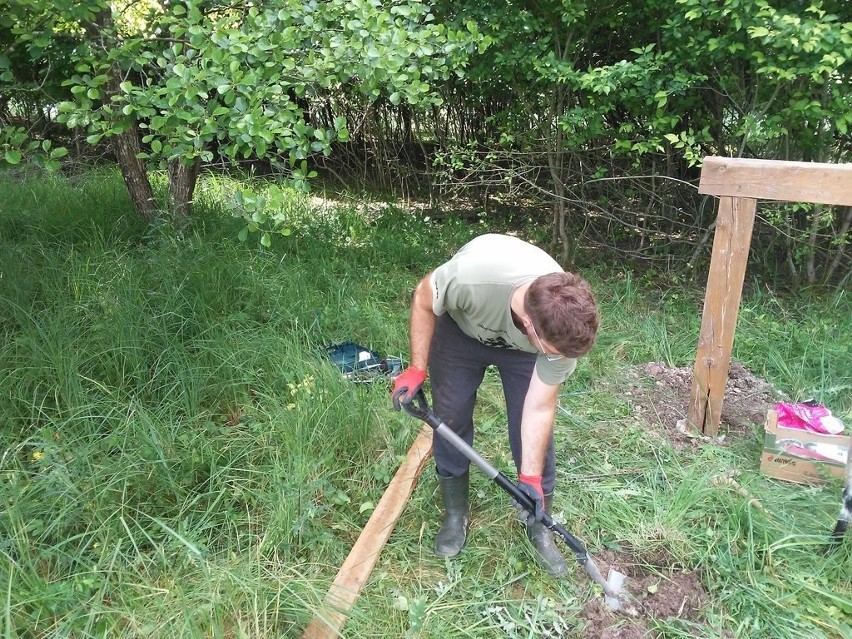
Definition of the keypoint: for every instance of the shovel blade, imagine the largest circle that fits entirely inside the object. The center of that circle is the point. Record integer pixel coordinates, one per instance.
(615, 587)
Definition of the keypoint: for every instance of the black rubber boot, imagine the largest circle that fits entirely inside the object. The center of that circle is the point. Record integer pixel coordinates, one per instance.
(453, 533)
(549, 555)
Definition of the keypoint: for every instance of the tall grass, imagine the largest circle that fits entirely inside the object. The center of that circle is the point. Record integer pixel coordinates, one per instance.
(178, 458)
(167, 416)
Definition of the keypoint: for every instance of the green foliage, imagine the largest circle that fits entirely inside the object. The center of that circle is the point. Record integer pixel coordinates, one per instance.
(17, 147)
(546, 106)
(272, 208)
(32, 60)
(574, 96)
(231, 82)
(203, 82)
(797, 61)
(638, 76)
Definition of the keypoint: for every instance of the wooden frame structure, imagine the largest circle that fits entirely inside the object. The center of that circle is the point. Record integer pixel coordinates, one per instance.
(739, 184)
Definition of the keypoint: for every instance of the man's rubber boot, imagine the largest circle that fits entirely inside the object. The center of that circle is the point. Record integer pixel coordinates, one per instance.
(549, 555)
(453, 533)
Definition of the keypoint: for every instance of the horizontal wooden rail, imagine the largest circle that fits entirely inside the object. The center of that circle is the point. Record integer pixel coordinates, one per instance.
(815, 182)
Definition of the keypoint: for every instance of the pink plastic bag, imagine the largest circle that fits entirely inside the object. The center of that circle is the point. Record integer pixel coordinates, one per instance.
(808, 416)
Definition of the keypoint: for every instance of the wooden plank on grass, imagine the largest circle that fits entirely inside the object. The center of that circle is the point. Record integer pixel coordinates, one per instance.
(731, 243)
(815, 182)
(359, 564)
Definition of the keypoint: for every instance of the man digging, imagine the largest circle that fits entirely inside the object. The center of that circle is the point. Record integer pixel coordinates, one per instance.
(499, 301)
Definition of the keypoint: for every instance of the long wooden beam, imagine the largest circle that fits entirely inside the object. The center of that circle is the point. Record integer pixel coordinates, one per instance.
(815, 182)
(359, 564)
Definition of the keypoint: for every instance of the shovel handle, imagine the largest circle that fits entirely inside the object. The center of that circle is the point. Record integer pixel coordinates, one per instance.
(419, 407)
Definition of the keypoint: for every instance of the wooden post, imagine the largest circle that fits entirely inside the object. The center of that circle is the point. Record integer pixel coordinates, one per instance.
(731, 243)
(359, 564)
(740, 183)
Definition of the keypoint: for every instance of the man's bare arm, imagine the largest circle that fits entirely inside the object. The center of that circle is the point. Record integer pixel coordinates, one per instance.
(422, 323)
(537, 424)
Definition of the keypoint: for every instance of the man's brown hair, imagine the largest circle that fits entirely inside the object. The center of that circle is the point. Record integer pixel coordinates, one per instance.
(564, 312)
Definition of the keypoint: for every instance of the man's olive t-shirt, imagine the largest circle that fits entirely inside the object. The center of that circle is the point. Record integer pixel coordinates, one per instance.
(475, 287)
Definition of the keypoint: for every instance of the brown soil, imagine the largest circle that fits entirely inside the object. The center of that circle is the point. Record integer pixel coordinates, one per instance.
(660, 396)
(656, 587)
(654, 593)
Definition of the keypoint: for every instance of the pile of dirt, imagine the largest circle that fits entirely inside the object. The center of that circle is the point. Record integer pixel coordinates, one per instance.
(660, 397)
(656, 589)
(678, 595)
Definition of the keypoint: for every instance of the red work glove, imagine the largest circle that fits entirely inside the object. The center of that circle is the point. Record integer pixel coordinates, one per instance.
(530, 485)
(406, 385)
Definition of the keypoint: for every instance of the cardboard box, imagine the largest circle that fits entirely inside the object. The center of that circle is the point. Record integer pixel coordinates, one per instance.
(802, 456)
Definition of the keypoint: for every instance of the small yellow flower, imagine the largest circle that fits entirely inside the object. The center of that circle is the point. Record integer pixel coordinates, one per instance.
(37, 456)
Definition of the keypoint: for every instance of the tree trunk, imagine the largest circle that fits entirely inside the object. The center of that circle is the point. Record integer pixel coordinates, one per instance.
(817, 215)
(182, 179)
(556, 158)
(125, 145)
(840, 236)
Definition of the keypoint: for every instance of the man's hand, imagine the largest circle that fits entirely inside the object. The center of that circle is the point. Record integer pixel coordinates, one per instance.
(530, 485)
(406, 385)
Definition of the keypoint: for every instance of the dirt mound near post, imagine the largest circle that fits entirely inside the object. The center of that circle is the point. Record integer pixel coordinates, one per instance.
(660, 396)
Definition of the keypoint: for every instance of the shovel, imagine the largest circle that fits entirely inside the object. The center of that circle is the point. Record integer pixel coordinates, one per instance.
(613, 586)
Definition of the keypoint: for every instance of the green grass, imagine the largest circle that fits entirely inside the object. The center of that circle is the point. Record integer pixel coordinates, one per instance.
(177, 458)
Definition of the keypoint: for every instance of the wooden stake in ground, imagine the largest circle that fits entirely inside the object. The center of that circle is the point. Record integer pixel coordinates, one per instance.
(731, 243)
(359, 564)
